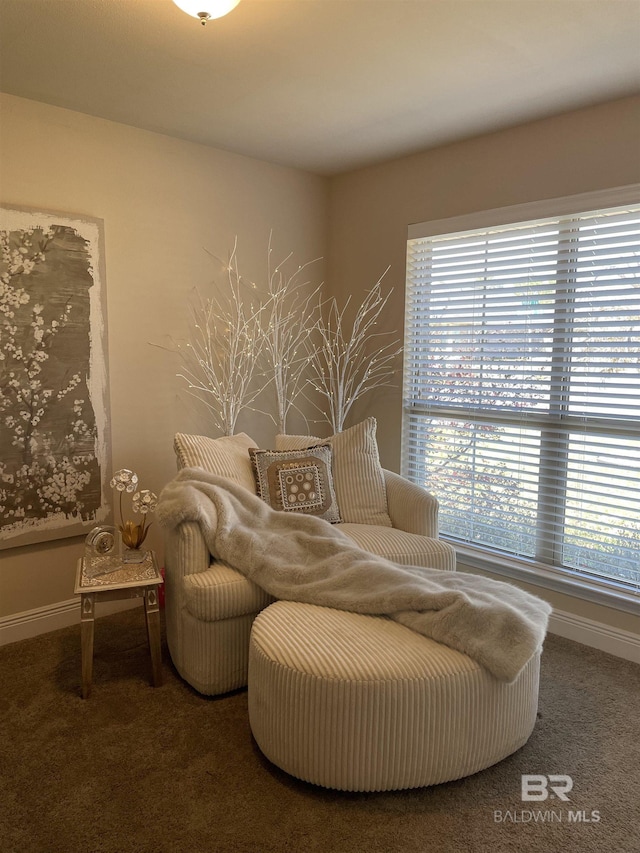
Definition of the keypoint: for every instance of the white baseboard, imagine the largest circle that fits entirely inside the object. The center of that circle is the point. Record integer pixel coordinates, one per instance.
(606, 638)
(31, 623)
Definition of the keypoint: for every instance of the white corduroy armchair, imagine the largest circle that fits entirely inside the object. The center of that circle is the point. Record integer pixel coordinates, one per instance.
(210, 607)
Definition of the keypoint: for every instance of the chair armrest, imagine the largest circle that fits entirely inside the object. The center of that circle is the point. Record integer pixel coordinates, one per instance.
(410, 507)
(186, 552)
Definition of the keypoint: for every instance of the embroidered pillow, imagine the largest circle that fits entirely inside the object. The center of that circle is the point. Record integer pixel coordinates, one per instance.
(297, 480)
(227, 456)
(358, 475)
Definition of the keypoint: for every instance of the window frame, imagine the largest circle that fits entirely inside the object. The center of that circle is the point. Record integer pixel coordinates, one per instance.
(484, 558)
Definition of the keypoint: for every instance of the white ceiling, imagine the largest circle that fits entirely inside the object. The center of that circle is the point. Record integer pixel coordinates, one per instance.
(323, 85)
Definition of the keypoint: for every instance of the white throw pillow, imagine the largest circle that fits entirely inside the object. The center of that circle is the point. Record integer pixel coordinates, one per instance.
(357, 473)
(227, 456)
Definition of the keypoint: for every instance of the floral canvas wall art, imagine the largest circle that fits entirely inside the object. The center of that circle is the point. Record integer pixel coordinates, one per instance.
(54, 407)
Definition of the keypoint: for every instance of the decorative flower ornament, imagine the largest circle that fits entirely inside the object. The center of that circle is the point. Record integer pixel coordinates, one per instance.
(144, 502)
(124, 480)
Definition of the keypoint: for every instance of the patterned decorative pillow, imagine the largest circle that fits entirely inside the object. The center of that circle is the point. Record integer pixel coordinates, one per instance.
(297, 480)
(359, 478)
(227, 456)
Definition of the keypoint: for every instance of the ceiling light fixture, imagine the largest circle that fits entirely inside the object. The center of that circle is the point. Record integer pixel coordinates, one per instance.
(206, 10)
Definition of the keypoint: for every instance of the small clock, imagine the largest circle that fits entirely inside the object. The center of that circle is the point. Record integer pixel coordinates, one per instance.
(101, 545)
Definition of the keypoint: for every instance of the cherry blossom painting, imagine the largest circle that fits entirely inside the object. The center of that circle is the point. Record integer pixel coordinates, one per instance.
(54, 402)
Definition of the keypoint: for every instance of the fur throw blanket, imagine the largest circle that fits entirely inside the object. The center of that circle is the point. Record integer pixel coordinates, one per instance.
(299, 557)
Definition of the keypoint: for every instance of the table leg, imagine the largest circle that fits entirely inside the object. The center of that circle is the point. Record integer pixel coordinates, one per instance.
(87, 615)
(152, 616)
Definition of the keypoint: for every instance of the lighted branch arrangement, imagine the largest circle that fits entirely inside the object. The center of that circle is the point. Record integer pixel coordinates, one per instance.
(222, 356)
(288, 323)
(350, 357)
(285, 337)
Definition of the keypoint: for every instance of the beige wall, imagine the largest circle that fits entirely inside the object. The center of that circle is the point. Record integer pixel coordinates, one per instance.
(370, 209)
(162, 201)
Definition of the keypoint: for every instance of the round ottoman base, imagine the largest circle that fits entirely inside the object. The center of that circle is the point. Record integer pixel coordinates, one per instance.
(361, 703)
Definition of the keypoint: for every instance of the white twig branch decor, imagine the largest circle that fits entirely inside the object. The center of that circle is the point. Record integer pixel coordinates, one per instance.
(241, 342)
(348, 360)
(288, 321)
(222, 356)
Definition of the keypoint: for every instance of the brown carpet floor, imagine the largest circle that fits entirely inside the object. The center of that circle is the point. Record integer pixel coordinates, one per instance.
(137, 770)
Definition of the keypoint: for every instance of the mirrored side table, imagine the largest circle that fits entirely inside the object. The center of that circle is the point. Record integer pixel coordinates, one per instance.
(107, 578)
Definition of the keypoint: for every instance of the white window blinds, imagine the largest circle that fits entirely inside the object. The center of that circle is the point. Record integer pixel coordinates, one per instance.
(522, 388)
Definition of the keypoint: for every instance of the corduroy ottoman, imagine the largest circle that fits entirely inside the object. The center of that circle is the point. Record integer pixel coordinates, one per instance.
(361, 703)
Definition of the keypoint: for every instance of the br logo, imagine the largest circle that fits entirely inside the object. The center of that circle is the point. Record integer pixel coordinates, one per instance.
(539, 787)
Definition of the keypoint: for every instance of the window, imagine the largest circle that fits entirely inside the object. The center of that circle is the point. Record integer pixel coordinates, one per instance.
(522, 383)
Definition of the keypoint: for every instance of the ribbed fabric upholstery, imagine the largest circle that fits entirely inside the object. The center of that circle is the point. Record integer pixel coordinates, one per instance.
(221, 592)
(357, 473)
(210, 654)
(185, 553)
(411, 508)
(361, 703)
(227, 456)
(407, 549)
(215, 654)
